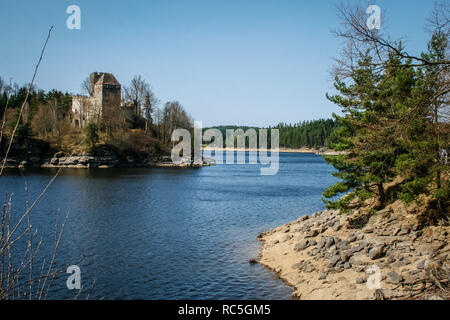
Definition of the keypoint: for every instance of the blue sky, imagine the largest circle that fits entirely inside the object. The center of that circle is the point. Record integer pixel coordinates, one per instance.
(240, 62)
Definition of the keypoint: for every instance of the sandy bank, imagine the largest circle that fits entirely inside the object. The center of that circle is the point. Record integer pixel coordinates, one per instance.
(281, 150)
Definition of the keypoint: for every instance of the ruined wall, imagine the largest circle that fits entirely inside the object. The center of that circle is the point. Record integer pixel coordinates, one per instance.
(84, 110)
(79, 104)
(105, 102)
(93, 77)
(109, 99)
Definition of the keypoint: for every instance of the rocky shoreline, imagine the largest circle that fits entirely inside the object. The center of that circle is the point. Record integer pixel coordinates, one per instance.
(102, 158)
(386, 255)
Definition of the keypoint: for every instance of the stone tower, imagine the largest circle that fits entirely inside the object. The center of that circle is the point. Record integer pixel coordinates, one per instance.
(105, 100)
(107, 93)
(93, 77)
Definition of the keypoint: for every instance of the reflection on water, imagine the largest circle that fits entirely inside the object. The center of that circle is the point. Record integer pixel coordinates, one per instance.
(171, 233)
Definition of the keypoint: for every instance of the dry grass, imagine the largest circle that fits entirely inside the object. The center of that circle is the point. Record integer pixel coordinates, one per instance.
(21, 278)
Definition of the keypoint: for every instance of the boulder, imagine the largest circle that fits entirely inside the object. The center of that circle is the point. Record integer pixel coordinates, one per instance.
(312, 233)
(357, 248)
(322, 243)
(342, 245)
(393, 278)
(329, 242)
(376, 252)
(354, 261)
(421, 264)
(333, 260)
(301, 245)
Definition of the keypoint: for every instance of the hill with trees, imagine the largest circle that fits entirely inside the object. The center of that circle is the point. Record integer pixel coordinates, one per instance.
(306, 134)
(46, 117)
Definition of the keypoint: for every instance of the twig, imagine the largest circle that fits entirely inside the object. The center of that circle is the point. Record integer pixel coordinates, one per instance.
(24, 102)
(4, 113)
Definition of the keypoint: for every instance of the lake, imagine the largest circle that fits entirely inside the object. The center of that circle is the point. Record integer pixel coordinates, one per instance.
(170, 233)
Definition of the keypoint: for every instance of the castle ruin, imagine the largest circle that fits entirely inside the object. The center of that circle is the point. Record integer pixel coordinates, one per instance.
(104, 102)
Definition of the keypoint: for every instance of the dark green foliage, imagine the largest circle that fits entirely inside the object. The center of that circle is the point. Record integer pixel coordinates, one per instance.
(23, 129)
(91, 134)
(35, 98)
(309, 134)
(388, 130)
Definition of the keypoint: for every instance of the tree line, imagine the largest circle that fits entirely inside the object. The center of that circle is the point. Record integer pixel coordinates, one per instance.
(308, 134)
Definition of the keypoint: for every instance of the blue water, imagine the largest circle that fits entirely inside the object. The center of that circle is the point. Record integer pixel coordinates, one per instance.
(170, 233)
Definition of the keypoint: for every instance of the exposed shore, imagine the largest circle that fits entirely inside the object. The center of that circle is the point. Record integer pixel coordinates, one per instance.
(330, 256)
(88, 162)
(36, 154)
(321, 151)
(102, 157)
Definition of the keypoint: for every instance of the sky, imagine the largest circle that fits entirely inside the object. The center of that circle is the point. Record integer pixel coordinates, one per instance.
(241, 62)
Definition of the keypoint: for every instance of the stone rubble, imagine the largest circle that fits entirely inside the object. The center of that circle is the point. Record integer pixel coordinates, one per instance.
(329, 259)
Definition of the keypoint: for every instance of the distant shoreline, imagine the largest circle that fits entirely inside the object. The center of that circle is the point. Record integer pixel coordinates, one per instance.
(325, 152)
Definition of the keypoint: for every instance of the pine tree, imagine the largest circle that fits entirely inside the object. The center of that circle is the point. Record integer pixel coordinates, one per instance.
(387, 133)
(91, 134)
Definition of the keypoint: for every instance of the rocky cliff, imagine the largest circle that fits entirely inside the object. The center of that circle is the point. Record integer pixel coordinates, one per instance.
(32, 155)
